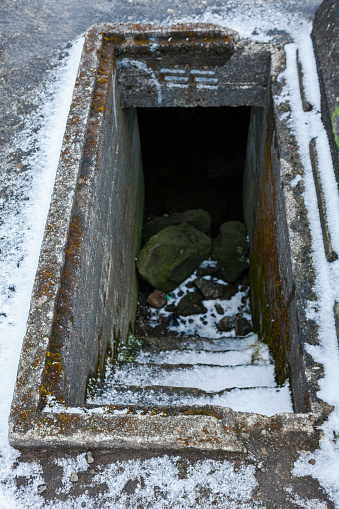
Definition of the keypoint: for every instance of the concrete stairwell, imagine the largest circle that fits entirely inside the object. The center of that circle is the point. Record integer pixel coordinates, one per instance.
(173, 371)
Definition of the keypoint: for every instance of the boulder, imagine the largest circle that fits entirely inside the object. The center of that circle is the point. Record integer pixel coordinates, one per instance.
(226, 324)
(208, 269)
(209, 289)
(170, 256)
(200, 219)
(170, 308)
(242, 326)
(230, 250)
(229, 291)
(191, 304)
(157, 299)
(209, 198)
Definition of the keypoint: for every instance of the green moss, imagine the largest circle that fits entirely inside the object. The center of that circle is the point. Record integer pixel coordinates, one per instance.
(270, 307)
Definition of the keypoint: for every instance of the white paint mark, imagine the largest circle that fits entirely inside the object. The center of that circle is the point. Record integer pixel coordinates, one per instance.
(208, 87)
(172, 71)
(210, 81)
(125, 62)
(197, 72)
(177, 79)
(177, 85)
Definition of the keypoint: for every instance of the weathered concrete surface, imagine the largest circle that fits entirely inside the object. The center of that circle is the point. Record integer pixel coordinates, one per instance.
(22, 69)
(270, 452)
(326, 44)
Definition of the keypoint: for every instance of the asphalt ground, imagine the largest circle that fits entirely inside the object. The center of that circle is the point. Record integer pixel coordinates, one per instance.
(33, 40)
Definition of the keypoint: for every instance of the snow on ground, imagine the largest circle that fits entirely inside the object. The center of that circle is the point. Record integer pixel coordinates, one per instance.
(202, 325)
(22, 232)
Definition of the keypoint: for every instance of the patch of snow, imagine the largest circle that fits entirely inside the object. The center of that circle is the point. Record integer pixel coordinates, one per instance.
(295, 181)
(202, 325)
(261, 400)
(22, 233)
(305, 503)
(71, 466)
(158, 484)
(207, 378)
(259, 354)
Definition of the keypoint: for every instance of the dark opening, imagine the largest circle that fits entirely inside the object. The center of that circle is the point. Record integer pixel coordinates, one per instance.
(194, 158)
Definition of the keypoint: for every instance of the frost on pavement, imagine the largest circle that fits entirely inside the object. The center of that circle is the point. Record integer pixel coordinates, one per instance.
(156, 481)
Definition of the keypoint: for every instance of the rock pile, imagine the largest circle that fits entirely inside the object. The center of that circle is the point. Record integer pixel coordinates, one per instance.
(170, 256)
(176, 245)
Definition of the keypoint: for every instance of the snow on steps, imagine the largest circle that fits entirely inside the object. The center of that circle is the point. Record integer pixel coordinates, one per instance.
(228, 372)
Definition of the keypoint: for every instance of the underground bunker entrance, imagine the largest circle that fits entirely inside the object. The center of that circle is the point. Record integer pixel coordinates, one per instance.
(194, 158)
(193, 342)
(193, 164)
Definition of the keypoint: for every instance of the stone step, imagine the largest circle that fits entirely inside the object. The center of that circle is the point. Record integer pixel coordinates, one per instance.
(253, 354)
(265, 400)
(212, 378)
(201, 343)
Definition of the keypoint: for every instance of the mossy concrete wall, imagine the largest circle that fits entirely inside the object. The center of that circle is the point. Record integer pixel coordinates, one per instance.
(281, 270)
(98, 297)
(271, 279)
(325, 37)
(95, 300)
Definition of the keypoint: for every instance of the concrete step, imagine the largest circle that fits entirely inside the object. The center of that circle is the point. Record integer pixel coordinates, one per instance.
(267, 400)
(253, 354)
(212, 378)
(201, 343)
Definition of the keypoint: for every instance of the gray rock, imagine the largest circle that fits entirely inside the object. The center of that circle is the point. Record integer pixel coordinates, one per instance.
(170, 256)
(229, 291)
(226, 324)
(42, 488)
(219, 309)
(191, 304)
(200, 219)
(170, 308)
(242, 326)
(74, 477)
(230, 250)
(89, 457)
(209, 289)
(208, 270)
(157, 299)
(209, 198)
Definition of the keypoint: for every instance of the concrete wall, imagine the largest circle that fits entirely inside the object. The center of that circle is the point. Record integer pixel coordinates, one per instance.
(272, 283)
(98, 297)
(325, 36)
